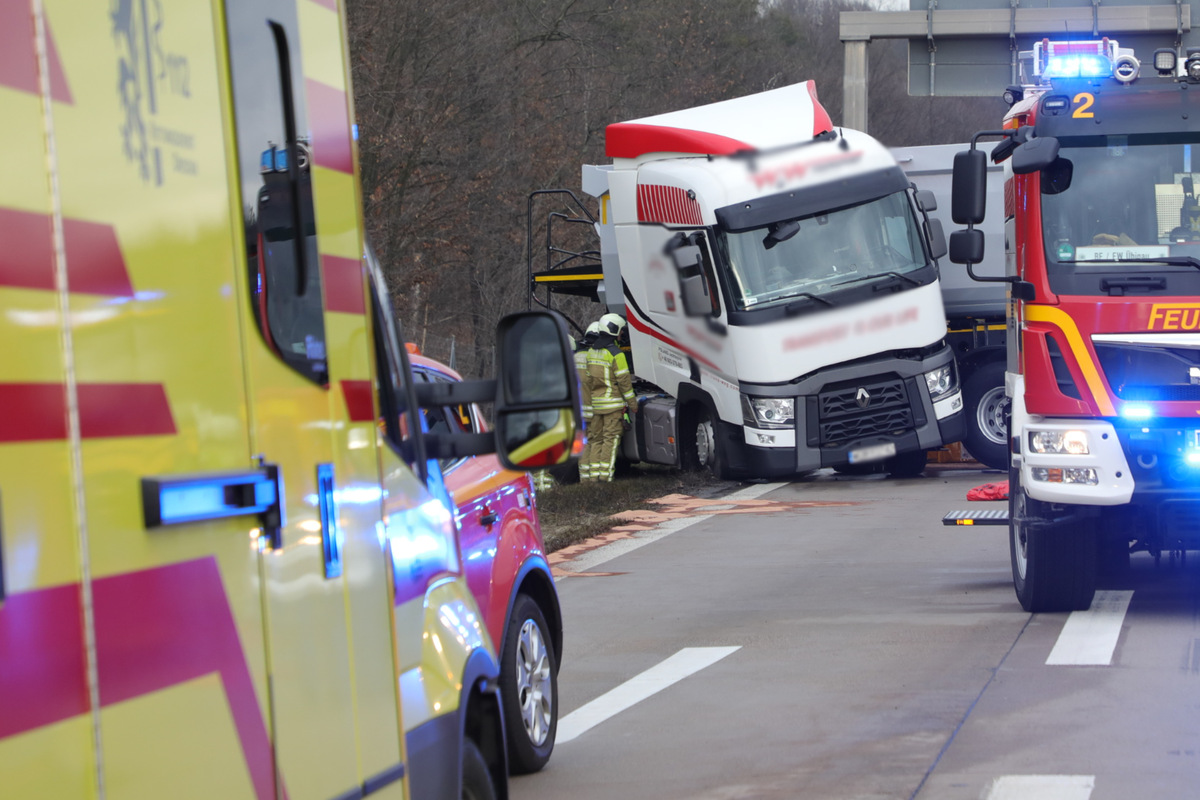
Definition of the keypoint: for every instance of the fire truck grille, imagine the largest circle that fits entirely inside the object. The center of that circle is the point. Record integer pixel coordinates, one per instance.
(1179, 524)
(850, 412)
(1149, 374)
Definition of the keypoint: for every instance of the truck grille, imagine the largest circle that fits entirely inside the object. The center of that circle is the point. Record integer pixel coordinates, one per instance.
(842, 420)
(1151, 373)
(1179, 523)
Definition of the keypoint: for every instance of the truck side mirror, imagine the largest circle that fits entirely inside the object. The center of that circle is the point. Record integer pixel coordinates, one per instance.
(926, 200)
(968, 193)
(693, 289)
(966, 247)
(936, 237)
(1035, 155)
(537, 391)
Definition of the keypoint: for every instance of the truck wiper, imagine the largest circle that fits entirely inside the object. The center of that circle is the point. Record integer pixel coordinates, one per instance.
(1172, 261)
(797, 305)
(888, 274)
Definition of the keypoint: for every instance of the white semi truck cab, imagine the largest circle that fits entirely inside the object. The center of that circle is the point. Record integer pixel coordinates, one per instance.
(781, 292)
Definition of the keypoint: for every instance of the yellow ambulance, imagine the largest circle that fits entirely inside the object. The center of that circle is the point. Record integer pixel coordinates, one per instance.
(228, 565)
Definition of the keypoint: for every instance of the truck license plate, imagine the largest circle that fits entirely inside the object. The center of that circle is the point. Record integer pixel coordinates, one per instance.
(876, 452)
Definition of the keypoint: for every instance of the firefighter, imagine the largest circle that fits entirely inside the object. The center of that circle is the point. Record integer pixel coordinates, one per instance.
(582, 345)
(608, 392)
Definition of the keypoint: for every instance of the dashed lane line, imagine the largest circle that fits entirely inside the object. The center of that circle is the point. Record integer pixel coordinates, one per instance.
(687, 661)
(1042, 787)
(1089, 637)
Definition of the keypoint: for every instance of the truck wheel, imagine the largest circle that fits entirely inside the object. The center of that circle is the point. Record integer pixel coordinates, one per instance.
(906, 465)
(529, 688)
(987, 410)
(1053, 563)
(701, 449)
(476, 779)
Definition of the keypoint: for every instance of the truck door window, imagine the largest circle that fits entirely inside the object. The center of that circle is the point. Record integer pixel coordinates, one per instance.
(283, 267)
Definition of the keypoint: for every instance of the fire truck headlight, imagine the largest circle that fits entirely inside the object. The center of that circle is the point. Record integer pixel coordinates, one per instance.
(1074, 443)
(941, 381)
(1075, 475)
(769, 412)
(1165, 61)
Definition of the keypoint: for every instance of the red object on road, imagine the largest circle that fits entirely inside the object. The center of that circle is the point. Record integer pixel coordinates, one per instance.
(989, 491)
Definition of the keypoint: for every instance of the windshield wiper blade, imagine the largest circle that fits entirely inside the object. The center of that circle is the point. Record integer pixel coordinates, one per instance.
(797, 305)
(889, 274)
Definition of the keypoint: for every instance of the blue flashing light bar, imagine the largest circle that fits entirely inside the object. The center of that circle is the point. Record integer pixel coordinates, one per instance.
(1078, 65)
(1192, 458)
(1136, 412)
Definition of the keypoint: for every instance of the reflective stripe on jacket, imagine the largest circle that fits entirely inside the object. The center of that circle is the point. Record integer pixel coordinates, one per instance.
(608, 386)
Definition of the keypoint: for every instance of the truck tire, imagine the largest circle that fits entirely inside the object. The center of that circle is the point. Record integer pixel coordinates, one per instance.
(986, 409)
(1053, 562)
(701, 448)
(529, 688)
(476, 779)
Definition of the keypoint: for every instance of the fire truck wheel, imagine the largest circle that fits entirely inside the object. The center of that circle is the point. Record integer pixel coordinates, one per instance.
(476, 780)
(986, 409)
(529, 688)
(906, 465)
(1053, 561)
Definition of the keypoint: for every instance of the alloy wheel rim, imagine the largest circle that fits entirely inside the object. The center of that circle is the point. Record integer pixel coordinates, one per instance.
(534, 692)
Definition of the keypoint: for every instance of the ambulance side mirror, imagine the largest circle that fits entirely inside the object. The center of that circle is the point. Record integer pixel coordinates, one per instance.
(537, 392)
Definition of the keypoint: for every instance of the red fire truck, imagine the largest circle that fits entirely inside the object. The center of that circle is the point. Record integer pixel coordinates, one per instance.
(1102, 227)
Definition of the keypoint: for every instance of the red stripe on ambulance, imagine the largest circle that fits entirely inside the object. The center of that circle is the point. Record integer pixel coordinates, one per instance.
(37, 411)
(330, 117)
(94, 261)
(18, 61)
(343, 284)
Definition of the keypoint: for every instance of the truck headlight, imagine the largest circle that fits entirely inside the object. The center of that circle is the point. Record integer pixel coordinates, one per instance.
(769, 412)
(941, 381)
(1074, 443)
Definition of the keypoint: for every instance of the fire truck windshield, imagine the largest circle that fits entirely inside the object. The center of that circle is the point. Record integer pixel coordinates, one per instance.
(830, 252)
(1119, 204)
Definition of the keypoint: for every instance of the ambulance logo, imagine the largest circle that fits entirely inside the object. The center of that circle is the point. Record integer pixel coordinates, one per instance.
(1174, 317)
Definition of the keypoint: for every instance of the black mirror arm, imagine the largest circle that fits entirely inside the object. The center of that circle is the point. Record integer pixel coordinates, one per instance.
(434, 395)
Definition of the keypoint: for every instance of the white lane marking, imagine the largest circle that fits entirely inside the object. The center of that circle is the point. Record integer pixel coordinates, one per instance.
(686, 662)
(1089, 637)
(1042, 787)
(608, 552)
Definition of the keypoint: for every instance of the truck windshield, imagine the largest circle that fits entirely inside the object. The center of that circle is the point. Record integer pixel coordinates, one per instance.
(1120, 204)
(853, 246)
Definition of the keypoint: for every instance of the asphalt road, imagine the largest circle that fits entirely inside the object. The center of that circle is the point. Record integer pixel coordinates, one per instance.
(831, 639)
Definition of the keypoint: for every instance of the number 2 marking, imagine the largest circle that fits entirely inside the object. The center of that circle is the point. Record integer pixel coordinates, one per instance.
(1085, 99)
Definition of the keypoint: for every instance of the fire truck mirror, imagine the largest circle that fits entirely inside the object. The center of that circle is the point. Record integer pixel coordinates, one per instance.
(926, 200)
(968, 192)
(1035, 155)
(966, 247)
(1057, 176)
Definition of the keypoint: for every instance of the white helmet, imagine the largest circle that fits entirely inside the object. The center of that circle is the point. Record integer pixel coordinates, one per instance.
(612, 324)
(592, 329)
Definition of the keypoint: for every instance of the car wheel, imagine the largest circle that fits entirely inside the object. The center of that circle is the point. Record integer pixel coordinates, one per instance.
(987, 409)
(1053, 561)
(529, 687)
(476, 779)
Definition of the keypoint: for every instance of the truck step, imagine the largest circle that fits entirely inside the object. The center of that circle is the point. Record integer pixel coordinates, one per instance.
(991, 516)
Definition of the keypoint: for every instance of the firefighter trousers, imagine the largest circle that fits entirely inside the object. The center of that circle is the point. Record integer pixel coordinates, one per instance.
(605, 433)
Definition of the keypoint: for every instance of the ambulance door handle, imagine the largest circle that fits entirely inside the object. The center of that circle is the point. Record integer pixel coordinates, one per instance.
(198, 497)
